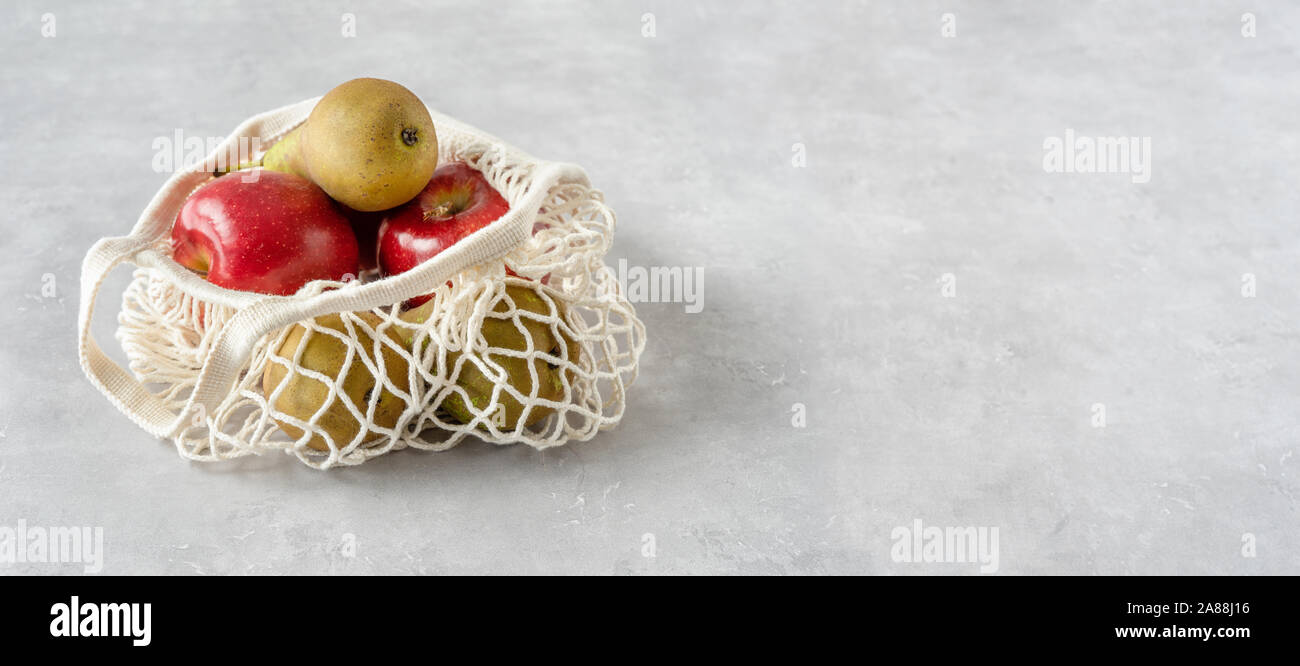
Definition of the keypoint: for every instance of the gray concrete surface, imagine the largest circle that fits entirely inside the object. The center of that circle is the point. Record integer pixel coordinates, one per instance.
(824, 285)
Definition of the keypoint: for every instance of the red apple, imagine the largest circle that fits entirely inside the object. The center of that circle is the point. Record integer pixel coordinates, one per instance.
(457, 202)
(271, 234)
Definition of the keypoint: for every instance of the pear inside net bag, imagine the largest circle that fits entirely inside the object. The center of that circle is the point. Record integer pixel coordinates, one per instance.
(526, 336)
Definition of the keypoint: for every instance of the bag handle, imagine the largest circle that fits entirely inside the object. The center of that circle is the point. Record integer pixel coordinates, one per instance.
(119, 386)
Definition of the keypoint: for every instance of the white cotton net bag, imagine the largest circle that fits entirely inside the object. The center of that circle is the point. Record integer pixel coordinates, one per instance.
(526, 337)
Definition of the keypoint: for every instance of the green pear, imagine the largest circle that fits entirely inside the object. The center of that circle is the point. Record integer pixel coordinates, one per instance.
(370, 144)
(285, 155)
(324, 353)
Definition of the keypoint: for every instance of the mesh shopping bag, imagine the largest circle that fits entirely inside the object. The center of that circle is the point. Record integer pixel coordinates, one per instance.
(526, 336)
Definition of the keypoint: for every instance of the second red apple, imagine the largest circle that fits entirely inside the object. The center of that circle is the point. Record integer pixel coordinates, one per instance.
(457, 202)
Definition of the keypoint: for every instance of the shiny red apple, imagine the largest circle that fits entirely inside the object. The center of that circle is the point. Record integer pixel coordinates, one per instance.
(271, 234)
(457, 202)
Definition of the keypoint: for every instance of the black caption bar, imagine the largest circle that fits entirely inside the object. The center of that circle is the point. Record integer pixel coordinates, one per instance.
(1123, 615)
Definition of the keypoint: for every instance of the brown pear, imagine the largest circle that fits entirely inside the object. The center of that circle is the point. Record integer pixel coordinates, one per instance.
(326, 354)
(502, 333)
(370, 144)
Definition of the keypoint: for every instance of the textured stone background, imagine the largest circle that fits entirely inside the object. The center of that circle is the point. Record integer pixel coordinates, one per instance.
(822, 284)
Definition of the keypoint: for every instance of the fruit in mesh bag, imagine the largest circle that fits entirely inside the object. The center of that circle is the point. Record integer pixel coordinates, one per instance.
(369, 143)
(327, 354)
(502, 334)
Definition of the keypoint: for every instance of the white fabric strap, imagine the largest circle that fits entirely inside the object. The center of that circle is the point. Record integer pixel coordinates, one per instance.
(121, 388)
